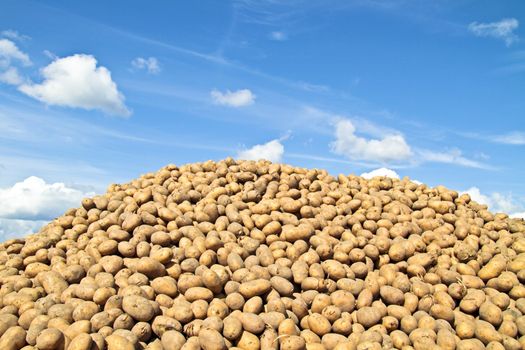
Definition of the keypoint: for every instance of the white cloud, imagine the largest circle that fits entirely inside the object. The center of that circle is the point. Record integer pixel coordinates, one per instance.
(10, 76)
(13, 228)
(453, 156)
(9, 52)
(389, 148)
(513, 138)
(278, 36)
(239, 98)
(518, 215)
(272, 151)
(50, 54)
(76, 81)
(503, 30)
(496, 202)
(34, 199)
(381, 172)
(14, 35)
(150, 64)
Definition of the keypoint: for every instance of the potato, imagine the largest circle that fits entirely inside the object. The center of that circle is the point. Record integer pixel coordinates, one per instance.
(138, 307)
(319, 324)
(252, 323)
(368, 316)
(165, 285)
(486, 332)
(198, 293)
(292, 342)
(7, 321)
(493, 268)
(232, 328)
(117, 342)
(150, 267)
(172, 340)
(470, 344)
(330, 340)
(13, 338)
(81, 342)
(142, 330)
(210, 339)
(248, 341)
(282, 286)
(399, 339)
(391, 295)
(490, 313)
(254, 288)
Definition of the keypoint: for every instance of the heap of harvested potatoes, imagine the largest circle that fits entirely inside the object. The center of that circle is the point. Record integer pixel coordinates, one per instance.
(249, 255)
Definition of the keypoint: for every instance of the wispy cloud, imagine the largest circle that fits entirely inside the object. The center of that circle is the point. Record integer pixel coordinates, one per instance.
(9, 53)
(503, 30)
(14, 35)
(453, 156)
(512, 138)
(10, 56)
(239, 98)
(217, 58)
(150, 64)
(11, 76)
(278, 36)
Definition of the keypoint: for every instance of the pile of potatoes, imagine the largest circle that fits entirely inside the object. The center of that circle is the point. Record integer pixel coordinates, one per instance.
(255, 255)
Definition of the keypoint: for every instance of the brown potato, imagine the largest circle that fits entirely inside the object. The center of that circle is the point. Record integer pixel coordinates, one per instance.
(13, 338)
(138, 307)
(210, 339)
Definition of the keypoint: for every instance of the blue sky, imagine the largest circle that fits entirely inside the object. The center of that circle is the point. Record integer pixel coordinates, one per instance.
(93, 93)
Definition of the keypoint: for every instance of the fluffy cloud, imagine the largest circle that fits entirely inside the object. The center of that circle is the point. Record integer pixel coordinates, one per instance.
(76, 81)
(381, 172)
(503, 30)
(389, 148)
(14, 228)
(496, 202)
(272, 151)
(239, 98)
(278, 36)
(34, 199)
(151, 64)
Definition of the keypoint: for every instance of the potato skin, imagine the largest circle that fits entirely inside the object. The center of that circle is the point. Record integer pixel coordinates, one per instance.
(81, 342)
(368, 316)
(13, 338)
(172, 340)
(117, 342)
(210, 339)
(51, 339)
(254, 288)
(138, 307)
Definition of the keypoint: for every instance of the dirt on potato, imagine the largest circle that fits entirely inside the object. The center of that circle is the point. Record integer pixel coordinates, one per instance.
(255, 255)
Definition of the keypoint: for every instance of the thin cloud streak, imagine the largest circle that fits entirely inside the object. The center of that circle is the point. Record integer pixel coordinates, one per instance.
(218, 59)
